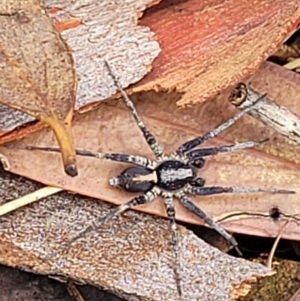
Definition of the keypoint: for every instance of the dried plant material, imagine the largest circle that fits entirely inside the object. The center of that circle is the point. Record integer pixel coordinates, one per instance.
(228, 47)
(289, 50)
(216, 44)
(28, 199)
(37, 74)
(274, 164)
(280, 118)
(74, 292)
(130, 257)
(4, 162)
(275, 245)
(110, 31)
(285, 52)
(293, 65)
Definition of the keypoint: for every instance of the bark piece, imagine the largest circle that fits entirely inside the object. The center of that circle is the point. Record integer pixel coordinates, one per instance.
(130, 256)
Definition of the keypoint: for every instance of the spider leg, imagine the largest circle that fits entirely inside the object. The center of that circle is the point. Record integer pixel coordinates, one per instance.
(187, 146)
(235, 189)
(139, 200)
(155, 147)
(188, 204)
(137, 160)
(203, 152)
(170, 209)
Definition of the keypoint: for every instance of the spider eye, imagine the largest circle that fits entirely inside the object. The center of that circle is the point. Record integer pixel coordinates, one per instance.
(198, 163)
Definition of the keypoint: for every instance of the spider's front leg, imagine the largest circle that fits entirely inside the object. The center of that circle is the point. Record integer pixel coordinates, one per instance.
(204, 152)
(187, 146)
(137, 160)
(234, 189)
(151, 141)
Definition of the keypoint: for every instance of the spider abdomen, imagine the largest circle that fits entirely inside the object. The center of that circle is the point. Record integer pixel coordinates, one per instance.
(173, 175)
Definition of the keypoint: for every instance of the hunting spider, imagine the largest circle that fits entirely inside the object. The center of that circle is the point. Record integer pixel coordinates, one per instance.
(169, 176)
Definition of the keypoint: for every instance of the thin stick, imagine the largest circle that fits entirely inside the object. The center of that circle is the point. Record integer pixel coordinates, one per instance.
(268, 112)
(74, 292)
(274, 247)
(28, 199)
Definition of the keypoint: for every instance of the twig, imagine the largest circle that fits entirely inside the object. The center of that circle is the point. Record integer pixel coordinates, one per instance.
(74, 292)
(28, 199)
(268, 112)
(274, 247)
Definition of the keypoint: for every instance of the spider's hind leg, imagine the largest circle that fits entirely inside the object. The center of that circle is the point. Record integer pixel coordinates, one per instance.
(188, 204)
(170, 209)
(139, 200)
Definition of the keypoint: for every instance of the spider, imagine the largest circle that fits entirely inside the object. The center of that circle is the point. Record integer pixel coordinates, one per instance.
(169, 176)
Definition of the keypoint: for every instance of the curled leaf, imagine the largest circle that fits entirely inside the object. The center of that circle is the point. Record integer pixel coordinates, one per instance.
(36, 71)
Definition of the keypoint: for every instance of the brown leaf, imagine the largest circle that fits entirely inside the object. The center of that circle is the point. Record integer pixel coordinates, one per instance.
(130, 257)
(37, 74)
(111, 128)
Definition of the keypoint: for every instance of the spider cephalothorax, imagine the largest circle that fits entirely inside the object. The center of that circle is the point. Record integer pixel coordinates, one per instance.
(169, 176)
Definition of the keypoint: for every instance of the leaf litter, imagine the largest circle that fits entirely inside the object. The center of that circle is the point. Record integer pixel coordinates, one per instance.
(200, 64)
(106, 30)
(273, 164)
(130, 257)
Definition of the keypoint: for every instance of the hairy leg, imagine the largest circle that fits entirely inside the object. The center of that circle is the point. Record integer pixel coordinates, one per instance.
(187, 146)
(188, 204)
(170, 209)
(147, 197)
(137, 160)
(153, 144)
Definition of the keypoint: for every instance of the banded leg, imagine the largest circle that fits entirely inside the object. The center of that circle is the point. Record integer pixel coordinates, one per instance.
(142, 199)
(137, 160)
(156, 149)
(170, 209)
(188, 204)
(203, 152)
(187, 146)
(237, 189)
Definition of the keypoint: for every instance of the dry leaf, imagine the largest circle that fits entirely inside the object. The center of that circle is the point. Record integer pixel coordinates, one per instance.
(130, 257)
(206, 46)
(36, 71)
